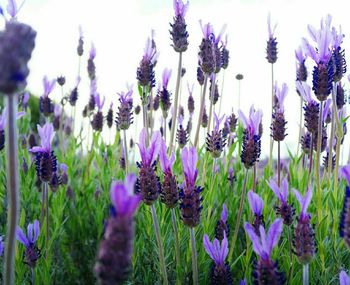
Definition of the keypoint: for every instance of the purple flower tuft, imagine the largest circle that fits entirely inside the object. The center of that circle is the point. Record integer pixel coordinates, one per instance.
(304, 201)
(180, 8)
(344, 279)
(189, 159)
(256, 203)
(217, 252)
(32, 253)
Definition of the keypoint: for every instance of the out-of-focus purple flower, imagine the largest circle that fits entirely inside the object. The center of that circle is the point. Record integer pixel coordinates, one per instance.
(46, 105)
(253, 121)
(166, 163)
(327, 111)
(280, 192)
(243, 282)
(217, 252)
(32, 253)
(270, 30)
(124, 200)
(225, 56)
(25, 98)
(180, 8)
(304, 201)
(281, 94)
(218, 121)
(300, 65)
(57, 110)
(344, 225)
(11, 8)
(344, 279)
(99, 102)
(1, 246)
(222, 228)
(345, 173)
(189, 159)
(181, 133)
(271, 49)
(256, 203)
(149, 154)
(91, 67)
(166, 77)
(46, 134)
(49, 85)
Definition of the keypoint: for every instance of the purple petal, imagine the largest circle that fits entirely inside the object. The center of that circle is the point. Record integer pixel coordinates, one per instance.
(285, 190)
(312, 32)
(345, 173)
(307, 200)
(224, 248)
(207, 29)
(36, 149)
(273, 234)
(165, 77)
(243, 282)
(276, 190)
(326, 110)
(25, 98)
(255, 202)
(129, 183)
(344, 279)
(118, 197)
(163, 157)
(12, 8)
(298, 196)
(217, 251)
(153, 150)
(304, 91)
(309, 50)
(92, 54)
(30, 233)
(208, 246)
(243, 119)
(36, 230)
(142, 145)
(21, 237)
(264, 242)
(254, 238)
(64, 167)
(224, 213)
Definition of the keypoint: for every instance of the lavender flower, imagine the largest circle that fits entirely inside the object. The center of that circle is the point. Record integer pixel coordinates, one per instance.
(278, 125)
(32, 253)
(64, 174)
(169, 194)
(91, 68)
(301, 67)
(344, 279)
(45, 159)
(114, 262)
(46, 105)
(25, 100)
(204, 119)
(190, 101)
(61, 80)
(216, 141)
(178, 31)
(97, 120)
(164, 94)
(251, 146)
(125, 114)
(93, 91)
(181, 134)
(190, 200)
(17, 43)
(57, 117)
(148, 184)
(200, 75)
(304, 237)
(338, 55)
(340, 98)
(3, 121)
(1, 246)
(213, 84)
(256, 205)
(266, 270)
(285, 210)
(73, 96)
(222, 228)
(109, 117)
(224, 54)
(344, 225)
(80, 48)
(207, 59)
(271, 49)
(145, 71)
(220, 272)
(322, 75)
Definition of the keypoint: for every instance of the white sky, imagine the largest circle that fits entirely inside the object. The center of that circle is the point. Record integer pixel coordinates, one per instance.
(119, 30)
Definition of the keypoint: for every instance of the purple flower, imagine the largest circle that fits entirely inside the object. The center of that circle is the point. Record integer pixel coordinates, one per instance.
(270, 30)
(223, 216)
(345, 173)
(280, 192)
(256, 203)
(280, 95)
(3, 117)
(218, 121)
(1, 246)
(11, 8)
(327, 111)
(344, 279)
(48, 86)
(124, 201)
(207, 29)
(98, 101)
(180, 8)
(243, 282)
(222, 228)
(305, 91)
(264, 244)
(46, 134)
(253, 121)
(57, 110)
(32, 253)
(92, 53)
(149, 154)
(217, 252)
(300, 55)
(189, 159)
(304, 202)
(166, 163)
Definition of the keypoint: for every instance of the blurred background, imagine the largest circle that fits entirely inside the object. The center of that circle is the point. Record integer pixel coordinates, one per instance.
(119, 30)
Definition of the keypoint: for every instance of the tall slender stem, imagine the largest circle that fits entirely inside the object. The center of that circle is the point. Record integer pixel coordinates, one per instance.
(33, 275)
(278, 164)
(212, 92)
(126, 152)
(272, 103)
(160, 245)
(238, 221)
(201, 110)
(306, 274)
(46, 189)
(12, 188)
(300, 124)
(194, 257)
(317, 164)
(177, 88)
(177, 244)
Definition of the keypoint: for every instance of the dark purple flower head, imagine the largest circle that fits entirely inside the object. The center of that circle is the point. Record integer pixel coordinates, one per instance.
(189, 159)
(256, 203)
(280, 192)
(344, 279)
(149, 154)
(217, 252)
(180, 8)
(252, 122)
(46, 134)
(124, 201)
(264, 244)
(166, 163)
(304, 202)
(271, 48)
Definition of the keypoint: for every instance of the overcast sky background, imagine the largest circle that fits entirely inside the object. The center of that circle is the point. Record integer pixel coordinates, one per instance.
(119, 30)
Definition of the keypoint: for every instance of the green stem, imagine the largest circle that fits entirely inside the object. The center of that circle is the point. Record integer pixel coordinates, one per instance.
(306, 274)
(177, 245)
(211, 101)
(174, 117)
(12, 188)
(317, 164)
(238, 221)
(160, 245)
(46, 188)
(272, 103)
(201, 110)
(126, 152)
(278, 164)
(33, 275)
(194, 257)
